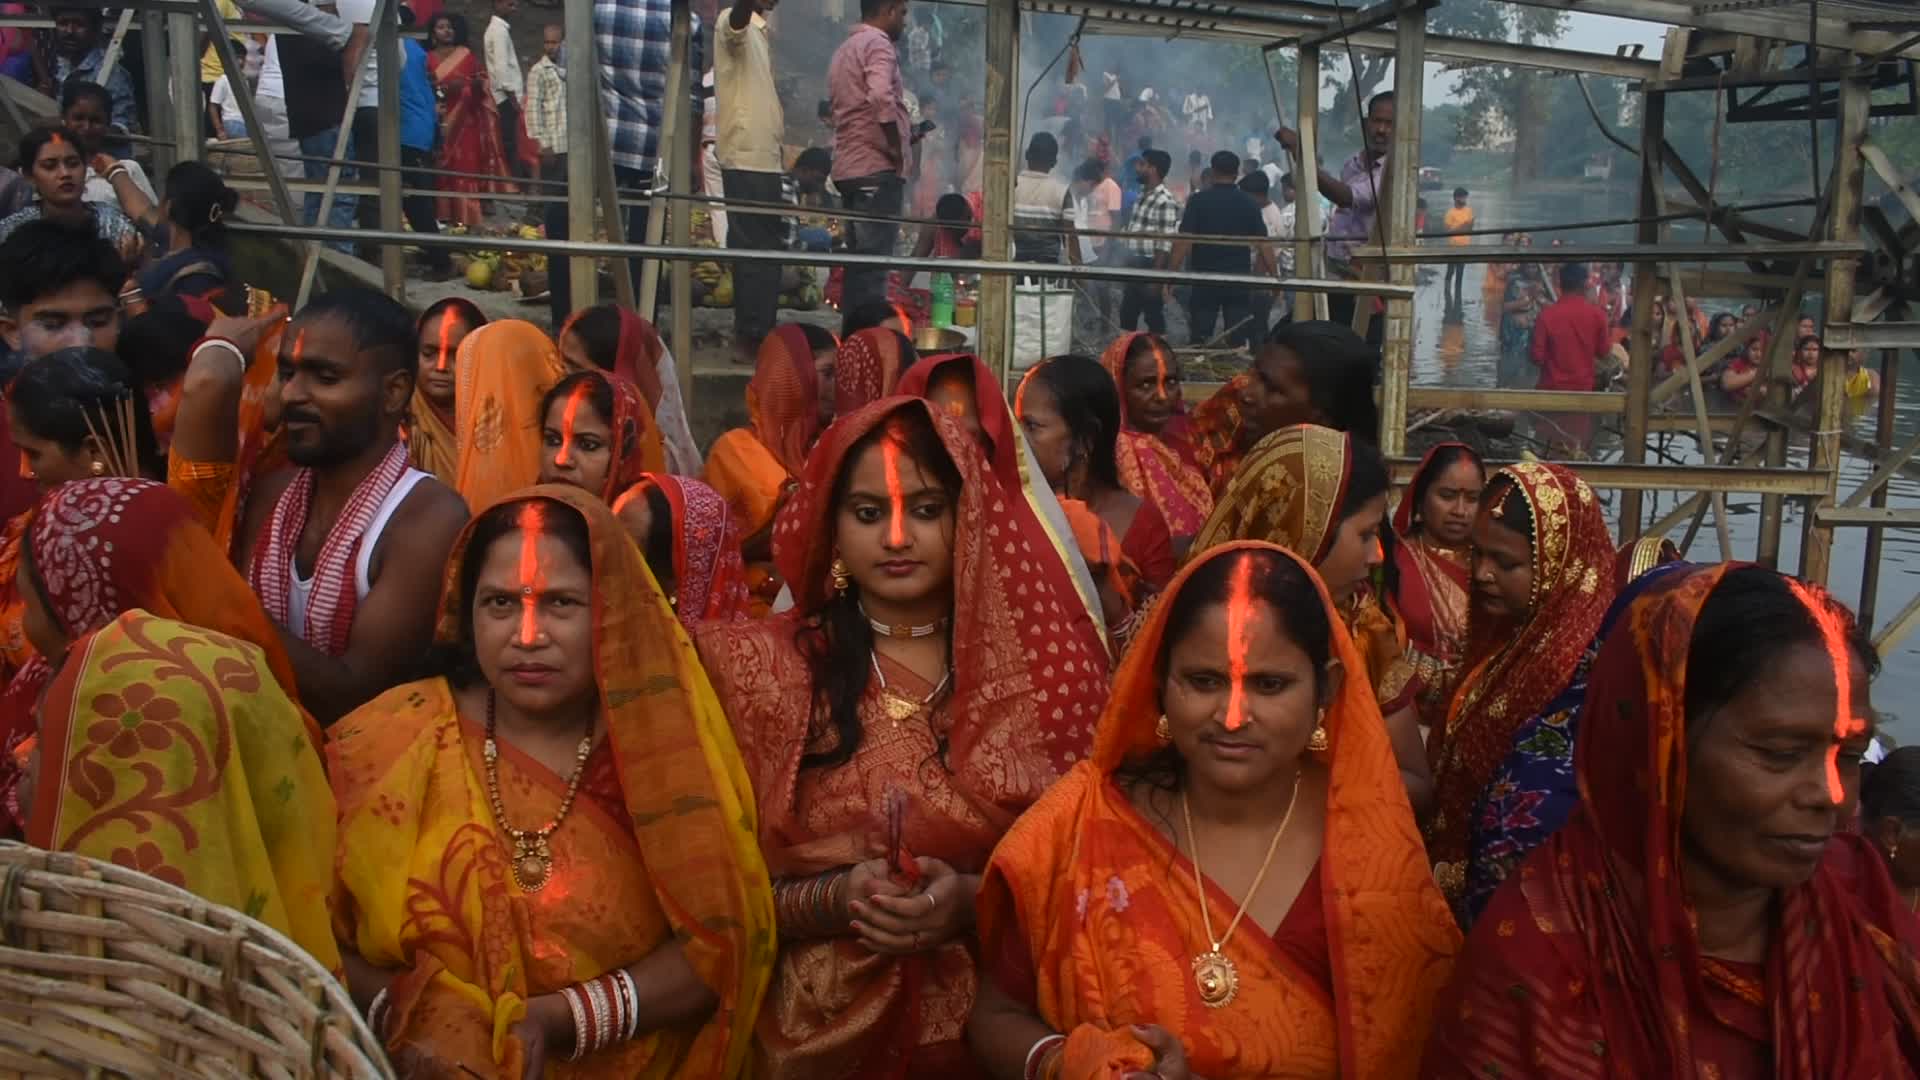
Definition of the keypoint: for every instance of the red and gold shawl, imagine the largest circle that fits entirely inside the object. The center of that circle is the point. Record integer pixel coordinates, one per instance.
(866, 368)
(1159, 467)
(172, 750)
(1092, 896)
(1289, 491)
(1593, 945)
(1432, 598)
(502, 372)
(1028, 681)
(1514, 668)
(751, 467)
(1219, 427)
(710, 581)
(660, 845)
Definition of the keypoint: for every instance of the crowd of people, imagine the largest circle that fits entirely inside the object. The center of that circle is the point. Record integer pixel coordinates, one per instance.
(881, 739)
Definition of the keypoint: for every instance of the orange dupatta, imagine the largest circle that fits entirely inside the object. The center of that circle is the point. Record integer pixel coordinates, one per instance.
(1028, 678)
(218, 490)
(502, 372)
(1151, 466)
(1515, 669)
(661, 847)
(751, 467)
(1103, 906)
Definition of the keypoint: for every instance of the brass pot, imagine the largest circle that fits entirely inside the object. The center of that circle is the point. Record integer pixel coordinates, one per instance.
(937, 339)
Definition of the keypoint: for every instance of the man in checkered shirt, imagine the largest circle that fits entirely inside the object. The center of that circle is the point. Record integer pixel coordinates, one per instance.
(1156, 217)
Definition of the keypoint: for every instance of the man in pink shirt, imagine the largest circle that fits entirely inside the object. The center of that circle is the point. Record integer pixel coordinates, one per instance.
(870, 139)
(1569, 338)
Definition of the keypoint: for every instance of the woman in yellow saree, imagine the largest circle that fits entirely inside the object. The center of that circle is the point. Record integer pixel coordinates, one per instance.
(1231, 712)
(1323, 496)
(171, 750)
(632, 934)
(503, 371)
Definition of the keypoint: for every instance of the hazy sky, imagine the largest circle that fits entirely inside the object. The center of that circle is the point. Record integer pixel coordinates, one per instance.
(1587, 33)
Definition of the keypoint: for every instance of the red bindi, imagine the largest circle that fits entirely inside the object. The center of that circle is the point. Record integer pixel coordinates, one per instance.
(532, 522)
(1833, 635)
(896, 498)
(578, 394)
(1239, 622)
(446, 333)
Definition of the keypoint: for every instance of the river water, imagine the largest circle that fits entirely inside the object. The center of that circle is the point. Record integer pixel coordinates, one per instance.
(1464, 352)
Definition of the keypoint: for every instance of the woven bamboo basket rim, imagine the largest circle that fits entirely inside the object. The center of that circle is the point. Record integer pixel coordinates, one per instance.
(105, 970)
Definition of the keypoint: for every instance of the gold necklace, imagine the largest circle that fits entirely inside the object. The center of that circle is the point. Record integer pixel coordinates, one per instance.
(1213, 973)
(532, 863)
(900, 708)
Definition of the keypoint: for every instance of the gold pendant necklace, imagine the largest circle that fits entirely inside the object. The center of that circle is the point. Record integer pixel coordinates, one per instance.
(1214, 974)
(900, 708)
(532, 863)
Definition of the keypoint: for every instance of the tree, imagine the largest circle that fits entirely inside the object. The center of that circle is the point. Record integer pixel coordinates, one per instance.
(1495, 92)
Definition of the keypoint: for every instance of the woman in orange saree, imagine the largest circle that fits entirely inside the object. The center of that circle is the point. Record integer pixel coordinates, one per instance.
(1434, 529)
(1322, 495)
(431, 446)
(1707, 910)
(1155, 451)
(469, 124)
(1542, 576)
(611, 338)
(893, 734)
(172, 750)
(629, 936)
(503, 371)
(691, 543)
(1231, 708)
(597, 434)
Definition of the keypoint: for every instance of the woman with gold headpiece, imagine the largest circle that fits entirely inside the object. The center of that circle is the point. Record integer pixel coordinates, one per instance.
(631, 933)
(1322, 495)
(916, 699)
(172, 750)
(1233, 884)
(1708, 910)
(1155, 450)
(1542, 580)
(1433, 528)
(430, 443)
(503, 371)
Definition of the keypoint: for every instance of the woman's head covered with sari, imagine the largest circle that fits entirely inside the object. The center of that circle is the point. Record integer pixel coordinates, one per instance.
(170, 749)
(503, 371)
(431, 445)
(1314, 372)
(611, 338)
(1155, 451)
(1719, 757)
(867, 367)
(1311, 490)
(686, 823)
(1088, 890)
(691, 542)
(598, 435)
(1542, 579)
(1019, 722)
(783, 397)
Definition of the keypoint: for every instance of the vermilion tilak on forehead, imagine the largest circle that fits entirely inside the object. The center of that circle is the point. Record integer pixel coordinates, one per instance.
(574, 398)
(1239, 624)
(532, 523)
(896, 497)
(1160, 369)
(1833, 635)
(299, 344)
(446, 332)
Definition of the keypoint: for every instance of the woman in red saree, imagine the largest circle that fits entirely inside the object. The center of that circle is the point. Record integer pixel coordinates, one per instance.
(1090, 912)
(1707, 910)
(477, 938)
(469, 124)
(893, 734)
(868, 367)
(1155, 449)
(598, 435)
(691, 543)
(1434, 529)
(611, 338)
(1543, 578)
(1322, 495)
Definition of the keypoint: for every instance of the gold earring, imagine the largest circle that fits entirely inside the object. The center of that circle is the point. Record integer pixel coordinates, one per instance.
(838, 571)
(99, 468)
(1318, 741)
(1163, 730)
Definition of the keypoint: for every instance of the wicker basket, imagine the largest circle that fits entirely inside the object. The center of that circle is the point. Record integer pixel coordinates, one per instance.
(234, 157)
(104, 970)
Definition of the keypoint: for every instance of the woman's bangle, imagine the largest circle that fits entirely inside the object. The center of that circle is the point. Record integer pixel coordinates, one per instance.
(1037, 1055)
(577, 1005)
(377, 1015)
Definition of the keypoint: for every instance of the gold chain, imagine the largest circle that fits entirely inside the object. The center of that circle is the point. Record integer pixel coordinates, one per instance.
(532, 861)
(1193, 845)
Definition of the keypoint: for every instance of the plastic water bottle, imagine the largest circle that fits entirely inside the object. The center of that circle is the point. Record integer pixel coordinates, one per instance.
(942, 313)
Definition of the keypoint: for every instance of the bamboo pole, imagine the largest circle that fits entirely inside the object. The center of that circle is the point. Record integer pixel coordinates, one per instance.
(1307, 255)
(1641, 346)
(583, 147)
(183, 64)
(995, 315)
(386, 50)
(243, 95)
(679, 159)
(382, 11)
(1876, 538)
(1843, 224)
(153, 49)
(673, 129)
(1403, 171)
